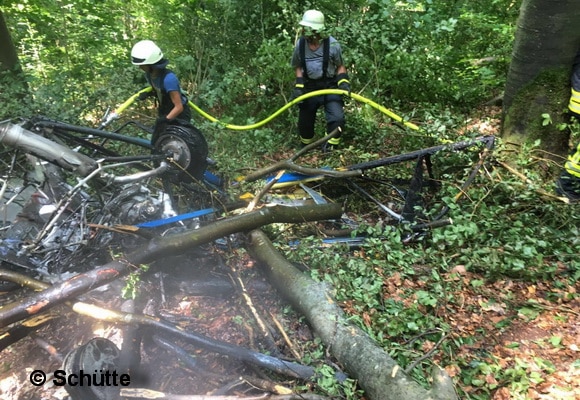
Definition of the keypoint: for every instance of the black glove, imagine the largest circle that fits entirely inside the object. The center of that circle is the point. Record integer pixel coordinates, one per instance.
(298, 89)
(159, 128)
(145, 95)
(343, 82)
(162, 120)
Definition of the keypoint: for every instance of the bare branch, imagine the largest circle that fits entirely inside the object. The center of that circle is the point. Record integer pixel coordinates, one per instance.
(291, 166)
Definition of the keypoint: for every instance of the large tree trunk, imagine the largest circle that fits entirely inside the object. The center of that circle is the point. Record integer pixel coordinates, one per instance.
(8, 55)
(538, 82)
(12, 80)
(378, 374)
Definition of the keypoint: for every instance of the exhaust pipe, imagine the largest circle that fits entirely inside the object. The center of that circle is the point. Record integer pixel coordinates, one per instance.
(16, 136)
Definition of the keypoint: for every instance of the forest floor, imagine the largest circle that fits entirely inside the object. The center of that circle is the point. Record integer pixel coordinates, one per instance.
(516, 326)
(548, 331)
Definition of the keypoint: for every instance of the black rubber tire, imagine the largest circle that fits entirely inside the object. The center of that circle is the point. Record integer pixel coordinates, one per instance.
(188, 147)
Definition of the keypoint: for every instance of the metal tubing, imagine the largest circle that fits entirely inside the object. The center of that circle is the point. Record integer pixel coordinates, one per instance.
(96, 132)
(18, 137)
(163, 167)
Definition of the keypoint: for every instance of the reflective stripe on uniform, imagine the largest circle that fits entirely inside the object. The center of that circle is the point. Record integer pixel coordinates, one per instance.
(573, 163)
(574, 104)
(334, 141)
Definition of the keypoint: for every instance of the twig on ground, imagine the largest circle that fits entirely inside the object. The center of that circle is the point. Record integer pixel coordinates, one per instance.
(267, 385)
(290, 165)
(286, 338)
(267, 335)
(411, 366)
(528, 181)
(50, 349)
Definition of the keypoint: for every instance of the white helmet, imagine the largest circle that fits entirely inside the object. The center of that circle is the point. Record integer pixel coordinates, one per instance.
(313, 19)
(146, 52)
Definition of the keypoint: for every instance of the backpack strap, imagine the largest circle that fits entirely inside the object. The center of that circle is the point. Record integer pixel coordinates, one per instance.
(302, 52)
(325, 56)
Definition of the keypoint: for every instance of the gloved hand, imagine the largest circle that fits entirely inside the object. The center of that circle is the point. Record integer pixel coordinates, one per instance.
(159, 128)
(343, 82)
(298, 89)
(144, 95)
(162, 121)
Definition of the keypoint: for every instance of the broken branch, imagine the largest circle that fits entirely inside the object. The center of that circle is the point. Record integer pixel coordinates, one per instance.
(290, 165)
(159, 247)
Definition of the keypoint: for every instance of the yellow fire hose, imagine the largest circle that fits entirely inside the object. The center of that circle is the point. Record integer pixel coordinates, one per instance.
(297, 100)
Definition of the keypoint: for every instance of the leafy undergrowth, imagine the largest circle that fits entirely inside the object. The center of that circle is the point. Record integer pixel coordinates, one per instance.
(504, 338)
(492, 298)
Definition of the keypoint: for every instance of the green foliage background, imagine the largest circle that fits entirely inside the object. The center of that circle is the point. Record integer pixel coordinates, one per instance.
(434, 62)
(233, 56)
(419, 58)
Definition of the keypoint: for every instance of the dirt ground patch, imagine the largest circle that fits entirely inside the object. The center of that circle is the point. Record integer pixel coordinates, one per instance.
(221, 313)
(519, 330)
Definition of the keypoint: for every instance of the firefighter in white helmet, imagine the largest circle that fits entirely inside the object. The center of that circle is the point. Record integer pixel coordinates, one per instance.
(173, 108)
(318, 64)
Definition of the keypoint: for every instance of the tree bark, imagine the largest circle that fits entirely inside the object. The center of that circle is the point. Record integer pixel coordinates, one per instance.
(159, 247)
(8, 56)
(12, 79)
(538, 82)
(377, 373)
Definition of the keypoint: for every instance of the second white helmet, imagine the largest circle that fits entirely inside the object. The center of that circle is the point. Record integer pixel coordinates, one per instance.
(313, 19)
(146, 52)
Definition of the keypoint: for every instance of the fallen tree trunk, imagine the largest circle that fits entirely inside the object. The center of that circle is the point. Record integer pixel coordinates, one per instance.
(159, 247)
(377, 373)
